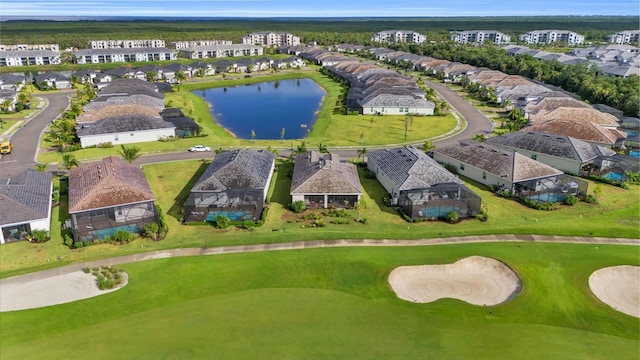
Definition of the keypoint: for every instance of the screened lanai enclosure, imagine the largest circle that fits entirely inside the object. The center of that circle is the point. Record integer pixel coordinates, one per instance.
(236, 204)
(99, 224)
(437, 201)
(551, 189)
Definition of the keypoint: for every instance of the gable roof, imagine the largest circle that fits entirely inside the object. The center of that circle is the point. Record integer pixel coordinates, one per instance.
(237, 169)
(506, 164)
(25, 197)
(317, 173)
(117, 110)
(547, 143)
(111, 182)
(120, 124)
(579, 130)
(409, 168)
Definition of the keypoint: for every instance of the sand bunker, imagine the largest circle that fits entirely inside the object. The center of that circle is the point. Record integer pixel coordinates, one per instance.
(618, 287)
(58, 289)
(476, 280)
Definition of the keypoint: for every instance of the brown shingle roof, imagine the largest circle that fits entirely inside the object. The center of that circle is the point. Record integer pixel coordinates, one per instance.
(581, 114)
(316, 173)
(109, 183)
(580, 130)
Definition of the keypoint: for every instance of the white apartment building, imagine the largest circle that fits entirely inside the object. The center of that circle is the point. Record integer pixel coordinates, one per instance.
(218, 51)
(624, 37)
(269, 38)
(552, 36)
(29, 57)
(480, 37)
(98, 56)
(126, 44)
(50, 47)
(187, 44)
(397, 36)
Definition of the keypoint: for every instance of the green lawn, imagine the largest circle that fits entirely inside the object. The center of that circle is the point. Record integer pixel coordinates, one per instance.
(334, 303)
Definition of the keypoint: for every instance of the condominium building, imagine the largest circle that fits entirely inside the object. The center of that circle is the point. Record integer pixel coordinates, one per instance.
(187, 44)
(552, 36)
(397, 36)
(126, 44)
(269, 38)
(98, 56)
(217, 51)
(50, 47)
(624, 37)
(29, 57)
(480, 37)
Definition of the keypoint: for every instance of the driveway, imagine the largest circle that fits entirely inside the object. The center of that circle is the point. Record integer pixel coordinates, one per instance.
(26, 139)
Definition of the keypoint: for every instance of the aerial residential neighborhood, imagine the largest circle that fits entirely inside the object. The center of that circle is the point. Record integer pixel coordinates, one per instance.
(283, 182)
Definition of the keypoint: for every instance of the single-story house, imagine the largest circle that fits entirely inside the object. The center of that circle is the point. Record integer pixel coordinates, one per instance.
(25, 204)
(323, 180)
(234, 185)
(12, 82)
(107, 197)
(509, 170)
(420, 186)
(185, 126)
(51, 80)
(561, 152)
(124, 130)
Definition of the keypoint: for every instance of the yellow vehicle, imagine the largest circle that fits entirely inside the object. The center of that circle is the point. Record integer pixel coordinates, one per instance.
(5, 148)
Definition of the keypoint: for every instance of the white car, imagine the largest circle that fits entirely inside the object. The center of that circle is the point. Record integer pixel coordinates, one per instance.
(199, 148)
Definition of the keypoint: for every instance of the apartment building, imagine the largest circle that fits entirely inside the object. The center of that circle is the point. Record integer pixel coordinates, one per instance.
(187, 44)
(624, 37)
(480, 37)
(269, 38)
(126, 44)
(552, 36)
(217, 51)
(29, 57)
(98, 56)
(395, 36)
(21, 47)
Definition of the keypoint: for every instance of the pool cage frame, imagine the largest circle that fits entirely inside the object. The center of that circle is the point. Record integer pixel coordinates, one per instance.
(248, 201)
(551, 189)
(437, 201)
(97, 224)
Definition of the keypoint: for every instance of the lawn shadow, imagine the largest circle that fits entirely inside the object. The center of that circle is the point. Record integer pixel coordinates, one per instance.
(176, 210)
(282, 184)
(376, 192)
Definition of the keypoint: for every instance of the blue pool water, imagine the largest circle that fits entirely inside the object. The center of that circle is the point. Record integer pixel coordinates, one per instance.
(232, 215)
(103, 233)
(613, 176)
(549, 197)
(266, 108)
(635, 153)
(437, 212)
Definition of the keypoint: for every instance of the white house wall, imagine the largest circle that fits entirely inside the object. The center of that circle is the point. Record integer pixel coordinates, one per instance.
(392, 110)
(126, 138)
(384, 180)
(566, 165)
(472, 172)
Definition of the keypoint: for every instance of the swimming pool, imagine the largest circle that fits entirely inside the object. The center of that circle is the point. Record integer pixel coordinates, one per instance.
(635, 153)
(614, 176)
(231, 215)
(548, 197)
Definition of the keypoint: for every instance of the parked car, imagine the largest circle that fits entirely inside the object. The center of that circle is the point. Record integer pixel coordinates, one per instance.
(199, 148)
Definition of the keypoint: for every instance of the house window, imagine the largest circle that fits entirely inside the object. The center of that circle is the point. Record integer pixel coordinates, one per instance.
(484, 175)
(462, 166)
(132, 134)
(119, 210)
(534, 156)
(115, 137)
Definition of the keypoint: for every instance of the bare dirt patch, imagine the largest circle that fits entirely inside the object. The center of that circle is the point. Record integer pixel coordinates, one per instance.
(618, 287)
(477, 280)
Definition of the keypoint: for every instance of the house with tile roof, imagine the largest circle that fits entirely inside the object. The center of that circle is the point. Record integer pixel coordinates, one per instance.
(420, 186)
(25, 204)
(234, 185)
(324, 180)
(109, 196)
(510, 170)
(586, 131)
(562, 152)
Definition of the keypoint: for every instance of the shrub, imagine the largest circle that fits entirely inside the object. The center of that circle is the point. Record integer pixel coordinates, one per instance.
(78, 244)
(570, 200)
(105, 145)
(338, 213)
(452, 216)
(151, 231)
(123, 236)
(363, 221)
(67, 240)
(340, 221)
(298, 206)
(546, 206)
(39, 235)
(221, 222)
(312, 216)
(591, 199)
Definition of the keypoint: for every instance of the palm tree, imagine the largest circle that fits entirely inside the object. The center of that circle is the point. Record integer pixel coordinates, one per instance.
(300, 149)
(281, 134)
(323, 148)
(41, 167)
(253, 134)
(180, 76)
(129, 153)
(361, 153)
(428, 145)
(69, 161)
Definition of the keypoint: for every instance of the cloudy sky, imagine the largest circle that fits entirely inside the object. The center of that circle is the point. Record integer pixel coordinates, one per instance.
(317, 8)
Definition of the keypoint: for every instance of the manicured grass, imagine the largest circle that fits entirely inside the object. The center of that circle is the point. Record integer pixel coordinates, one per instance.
(615, 216)
(334, 303)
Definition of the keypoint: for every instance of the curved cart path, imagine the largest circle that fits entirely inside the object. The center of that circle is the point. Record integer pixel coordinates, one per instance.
(9, 299)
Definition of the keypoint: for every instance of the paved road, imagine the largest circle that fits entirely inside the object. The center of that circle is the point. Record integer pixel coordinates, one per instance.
(26, 139)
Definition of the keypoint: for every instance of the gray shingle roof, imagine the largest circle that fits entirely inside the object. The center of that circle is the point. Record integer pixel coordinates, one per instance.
(111, 182)
(112, 125)
(316, 173)
(547, 143)
(25, 197)
(237, 169)
(503, 163)
(410, 168)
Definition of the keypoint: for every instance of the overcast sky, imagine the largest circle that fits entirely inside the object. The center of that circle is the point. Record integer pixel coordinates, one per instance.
(316, 8)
